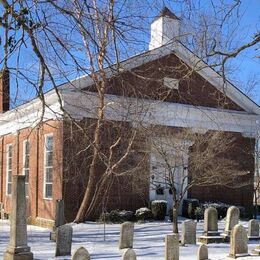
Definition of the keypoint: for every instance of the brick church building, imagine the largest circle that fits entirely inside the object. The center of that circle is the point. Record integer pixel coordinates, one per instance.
(49, 150)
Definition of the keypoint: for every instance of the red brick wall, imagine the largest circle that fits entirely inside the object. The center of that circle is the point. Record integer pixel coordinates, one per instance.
(37, 206)
(241, 194)
(146, 81)
(127, 192)
(71, 164)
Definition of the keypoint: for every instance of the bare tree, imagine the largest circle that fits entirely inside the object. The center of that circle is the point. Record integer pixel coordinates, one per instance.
(186, 159)
(69, 38)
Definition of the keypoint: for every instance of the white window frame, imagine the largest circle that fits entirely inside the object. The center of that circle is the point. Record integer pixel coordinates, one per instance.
(26, 168)
(46, 167)
(9, 168)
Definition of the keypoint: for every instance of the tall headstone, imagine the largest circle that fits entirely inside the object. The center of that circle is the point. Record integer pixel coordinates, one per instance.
(210, 234)
(238, 242)
(188, 235)
(59, 218)
(18, 248)
(126, 235)
(81, 254)
(172, 247)
(2, 214)
(129, 254)
(64, 240)
(253, 229)
(202, 253)
(232, 219)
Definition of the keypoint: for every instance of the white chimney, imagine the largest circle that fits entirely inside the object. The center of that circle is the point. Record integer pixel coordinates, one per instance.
(165, 28)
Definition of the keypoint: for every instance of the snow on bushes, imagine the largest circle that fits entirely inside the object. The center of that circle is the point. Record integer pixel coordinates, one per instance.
(159, 208)
(143, 214)
(117, 216)
(193, 210)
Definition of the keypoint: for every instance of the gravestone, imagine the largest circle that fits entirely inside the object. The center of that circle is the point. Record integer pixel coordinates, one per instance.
(253, 229)
(64, 240)
(202, 252)
(126, 235)
(256, 251)
(210, 234)
(172, 247)
(232, 219)
(81, 254)
(17, 248)
(59, 218)
(129, 254)
(2, 214)
(238, 242)
(188, 235)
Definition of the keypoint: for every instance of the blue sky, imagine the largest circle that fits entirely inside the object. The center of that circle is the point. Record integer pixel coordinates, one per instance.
(247, 65)
(244, 69)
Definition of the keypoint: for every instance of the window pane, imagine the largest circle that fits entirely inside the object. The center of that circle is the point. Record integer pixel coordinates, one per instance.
(10, 163)
(9, 186)
(48, 170)
(26, 161)
(49, 158)
(9, 176)
(48, 175)
(26, 189)
(9, 170)
(49, 143)
(26, 173)
(10, 151)
(27, 148)
(48, 190)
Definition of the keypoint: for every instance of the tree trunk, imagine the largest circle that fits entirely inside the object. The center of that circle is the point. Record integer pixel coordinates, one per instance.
(88, 196)
(255, 211)
(94, 175)
(175, 219)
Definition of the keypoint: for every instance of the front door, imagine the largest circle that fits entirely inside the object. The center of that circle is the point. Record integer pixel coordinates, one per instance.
(168, 165)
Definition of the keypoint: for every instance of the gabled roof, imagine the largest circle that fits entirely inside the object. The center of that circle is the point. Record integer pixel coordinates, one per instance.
(228, 120)
(192, 60)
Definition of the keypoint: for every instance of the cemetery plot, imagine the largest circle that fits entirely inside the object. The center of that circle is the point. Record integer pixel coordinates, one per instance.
(149, 241)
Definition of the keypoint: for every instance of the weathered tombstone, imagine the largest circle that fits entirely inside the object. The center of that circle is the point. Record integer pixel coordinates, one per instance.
(126, 235)
(59, 218)
(188, 235)
(253, 229)
(202, 252)
(210, 234)
(64, 240)
(18, 248)
(256, 251)
(129, 254)
(2, 214)
(172, 247)
(232, 219)
(81, 254)
(238, 242)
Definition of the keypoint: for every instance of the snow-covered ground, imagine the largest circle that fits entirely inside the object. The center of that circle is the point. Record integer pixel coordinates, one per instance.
(148, 241)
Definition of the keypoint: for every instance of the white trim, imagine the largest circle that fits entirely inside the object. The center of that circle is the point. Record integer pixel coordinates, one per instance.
(44, 167)
(146, 111)
(8, 169)
(30, 114)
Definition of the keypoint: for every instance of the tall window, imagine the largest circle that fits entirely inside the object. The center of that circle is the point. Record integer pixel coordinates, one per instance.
(9, 159)
(26, 158)
(48, 166)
